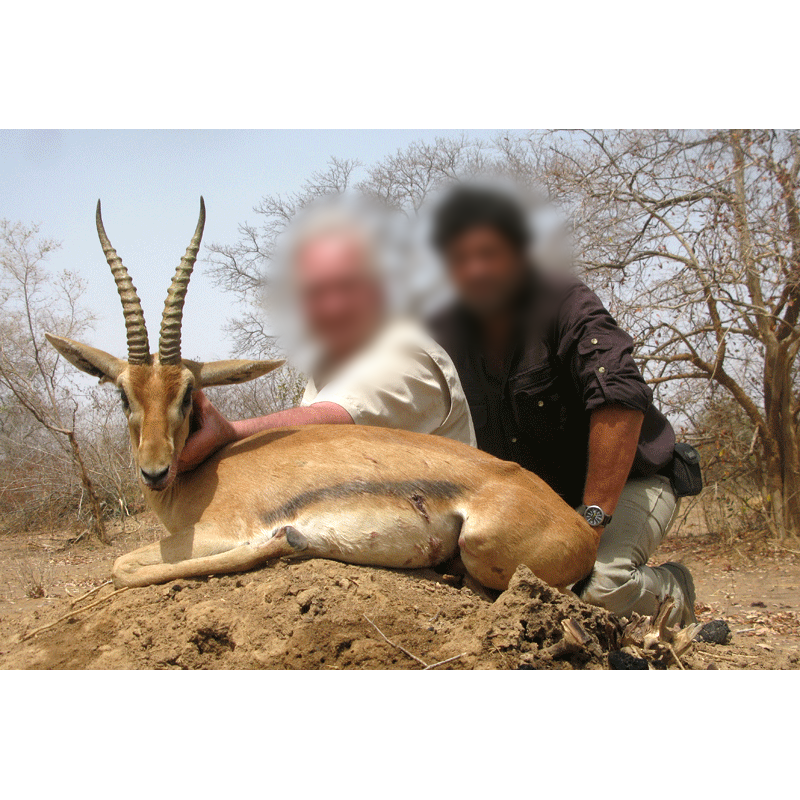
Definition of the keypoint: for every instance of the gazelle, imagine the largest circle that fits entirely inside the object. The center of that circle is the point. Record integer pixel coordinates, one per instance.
(357, 494)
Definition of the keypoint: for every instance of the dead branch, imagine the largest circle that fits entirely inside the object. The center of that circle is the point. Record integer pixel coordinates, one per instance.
(445, 661)
(89, 593)
(675, 656)
(652, 639)
(73, 612)
(575, 640)
(402, 649)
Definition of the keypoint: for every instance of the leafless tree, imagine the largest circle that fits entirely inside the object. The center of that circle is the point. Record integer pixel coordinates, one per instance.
(700, 235)
(32, 378)
(403, 180)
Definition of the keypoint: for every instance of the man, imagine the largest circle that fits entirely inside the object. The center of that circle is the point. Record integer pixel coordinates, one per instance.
(370, 371)
(551, 384)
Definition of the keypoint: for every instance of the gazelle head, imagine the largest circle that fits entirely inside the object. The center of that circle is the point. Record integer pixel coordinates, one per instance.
(156, 389)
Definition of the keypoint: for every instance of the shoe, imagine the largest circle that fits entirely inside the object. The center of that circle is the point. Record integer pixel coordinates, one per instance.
(685, 581)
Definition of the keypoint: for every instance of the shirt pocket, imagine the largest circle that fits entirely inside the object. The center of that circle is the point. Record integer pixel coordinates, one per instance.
(538, 404)
(595, 354)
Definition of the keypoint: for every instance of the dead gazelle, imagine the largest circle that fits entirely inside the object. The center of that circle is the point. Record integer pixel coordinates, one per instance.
(358, 494)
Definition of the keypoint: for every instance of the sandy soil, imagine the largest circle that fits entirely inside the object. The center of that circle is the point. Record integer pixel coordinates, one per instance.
(755, 587)
(319, 614)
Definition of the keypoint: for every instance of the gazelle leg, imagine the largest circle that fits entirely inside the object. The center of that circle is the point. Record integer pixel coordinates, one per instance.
(198, 551)
(558, 547)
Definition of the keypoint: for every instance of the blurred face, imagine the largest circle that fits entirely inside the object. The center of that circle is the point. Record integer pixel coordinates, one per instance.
(340, 297)
(485, 268)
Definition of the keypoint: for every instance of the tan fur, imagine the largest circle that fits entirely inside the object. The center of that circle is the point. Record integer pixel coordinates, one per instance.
(352, 493)
(504, 517)
(357, 494)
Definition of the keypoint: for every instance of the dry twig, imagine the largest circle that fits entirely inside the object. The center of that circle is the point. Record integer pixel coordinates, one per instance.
(425, 665)
(672, 652)
(73, 612)
(77, 600)
(444, 661)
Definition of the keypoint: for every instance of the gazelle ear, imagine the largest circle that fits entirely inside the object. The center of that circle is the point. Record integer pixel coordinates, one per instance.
(88, 359)
(223, 373)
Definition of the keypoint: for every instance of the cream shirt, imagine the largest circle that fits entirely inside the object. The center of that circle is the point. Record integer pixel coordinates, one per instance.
(402, 379)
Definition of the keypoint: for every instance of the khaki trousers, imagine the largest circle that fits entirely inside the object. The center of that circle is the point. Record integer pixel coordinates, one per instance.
(621, 581)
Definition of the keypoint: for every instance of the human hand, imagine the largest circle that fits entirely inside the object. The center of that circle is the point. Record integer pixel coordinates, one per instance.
(214, 432)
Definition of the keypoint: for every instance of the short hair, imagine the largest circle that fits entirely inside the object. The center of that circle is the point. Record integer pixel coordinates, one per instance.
(468, 207)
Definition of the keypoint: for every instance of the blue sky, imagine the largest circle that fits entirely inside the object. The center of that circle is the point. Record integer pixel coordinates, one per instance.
(150, 183)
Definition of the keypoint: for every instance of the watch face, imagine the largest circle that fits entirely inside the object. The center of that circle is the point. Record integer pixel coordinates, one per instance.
(594, 516)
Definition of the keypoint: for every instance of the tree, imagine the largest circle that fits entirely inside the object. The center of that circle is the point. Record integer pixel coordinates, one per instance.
(34, 384)
(701, 233)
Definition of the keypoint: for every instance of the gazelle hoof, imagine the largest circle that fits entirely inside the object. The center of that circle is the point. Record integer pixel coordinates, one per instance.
(294, 538)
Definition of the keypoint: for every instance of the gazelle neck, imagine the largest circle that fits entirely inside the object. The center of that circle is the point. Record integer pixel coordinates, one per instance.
(162, 502)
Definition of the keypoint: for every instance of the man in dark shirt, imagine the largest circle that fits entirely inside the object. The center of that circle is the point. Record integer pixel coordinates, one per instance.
(552, 384)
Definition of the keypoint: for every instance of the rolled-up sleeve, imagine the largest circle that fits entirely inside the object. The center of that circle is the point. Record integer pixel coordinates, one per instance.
(599, 353)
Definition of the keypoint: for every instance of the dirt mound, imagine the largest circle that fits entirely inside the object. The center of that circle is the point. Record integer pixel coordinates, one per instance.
(297, 614)
(317, 615)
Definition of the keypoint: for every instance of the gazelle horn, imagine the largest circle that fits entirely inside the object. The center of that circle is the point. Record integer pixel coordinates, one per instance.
(138, 346)
(169, 343)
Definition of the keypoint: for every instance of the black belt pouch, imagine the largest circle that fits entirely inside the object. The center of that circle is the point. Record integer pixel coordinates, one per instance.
(684, 473)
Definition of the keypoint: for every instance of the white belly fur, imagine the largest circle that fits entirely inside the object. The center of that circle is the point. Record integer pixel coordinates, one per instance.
(384, 534)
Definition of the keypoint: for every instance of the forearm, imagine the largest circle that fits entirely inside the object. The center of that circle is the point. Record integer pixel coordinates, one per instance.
(315, 414)
(613, 438)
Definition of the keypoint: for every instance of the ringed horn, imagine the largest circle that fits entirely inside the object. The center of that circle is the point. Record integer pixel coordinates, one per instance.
(138, 346)
(169, 343)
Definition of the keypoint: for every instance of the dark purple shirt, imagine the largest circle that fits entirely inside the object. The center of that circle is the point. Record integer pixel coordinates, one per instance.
(570, 358)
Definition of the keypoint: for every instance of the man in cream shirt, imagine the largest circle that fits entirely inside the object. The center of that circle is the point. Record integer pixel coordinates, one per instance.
(402, 379)
(371, 369)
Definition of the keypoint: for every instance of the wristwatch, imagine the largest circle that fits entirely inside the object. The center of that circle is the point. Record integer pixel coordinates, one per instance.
(594, 515)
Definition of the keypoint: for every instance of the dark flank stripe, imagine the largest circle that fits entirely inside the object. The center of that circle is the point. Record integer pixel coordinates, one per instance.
(415, 492)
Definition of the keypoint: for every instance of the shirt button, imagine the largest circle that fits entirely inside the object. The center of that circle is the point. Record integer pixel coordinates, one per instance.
(594, 341)
(601, 369)
(514, 439)
(541, 403)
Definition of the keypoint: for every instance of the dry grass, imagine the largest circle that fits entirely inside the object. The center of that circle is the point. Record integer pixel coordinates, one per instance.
(34, 576)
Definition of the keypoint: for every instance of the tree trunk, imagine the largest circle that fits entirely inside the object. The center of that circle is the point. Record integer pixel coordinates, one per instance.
(94, 502)
(780, 465)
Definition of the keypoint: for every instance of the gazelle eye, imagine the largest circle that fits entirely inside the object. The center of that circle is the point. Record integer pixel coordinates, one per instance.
(126, 406)
(187, 399)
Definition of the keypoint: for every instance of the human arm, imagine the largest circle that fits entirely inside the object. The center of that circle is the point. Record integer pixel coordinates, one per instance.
(215, 431)
(395, 385)
(613, 439)
(599, 355)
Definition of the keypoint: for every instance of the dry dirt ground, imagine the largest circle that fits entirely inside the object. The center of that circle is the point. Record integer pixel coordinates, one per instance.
(318, 614)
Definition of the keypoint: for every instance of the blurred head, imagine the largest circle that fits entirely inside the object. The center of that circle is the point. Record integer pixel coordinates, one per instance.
(340, 291)
(483, 236)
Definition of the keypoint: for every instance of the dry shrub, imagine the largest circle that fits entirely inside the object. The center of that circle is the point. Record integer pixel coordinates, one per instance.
(33, 575)
(729, 515)
(731, 504)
